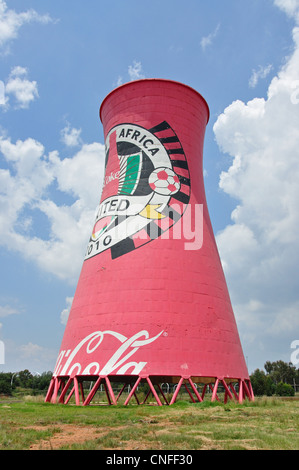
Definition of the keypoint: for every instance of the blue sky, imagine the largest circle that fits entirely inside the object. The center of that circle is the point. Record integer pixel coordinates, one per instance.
(58, 61)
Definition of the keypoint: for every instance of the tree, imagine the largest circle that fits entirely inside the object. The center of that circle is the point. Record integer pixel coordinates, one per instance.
(279, 379)
(281, 371)
(41, 382)
(25, 378)
(261, 383)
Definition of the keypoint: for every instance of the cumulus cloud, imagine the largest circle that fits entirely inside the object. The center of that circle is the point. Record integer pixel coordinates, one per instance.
(290, 7)
(70, 136)
(260, 248)
(11, 22)
(29, 181)
(23, 90)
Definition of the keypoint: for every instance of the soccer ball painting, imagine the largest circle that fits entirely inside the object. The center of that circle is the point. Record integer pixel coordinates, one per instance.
(164, 181)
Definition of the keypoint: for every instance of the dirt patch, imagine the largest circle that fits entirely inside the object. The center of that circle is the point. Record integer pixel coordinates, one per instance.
(67, 434)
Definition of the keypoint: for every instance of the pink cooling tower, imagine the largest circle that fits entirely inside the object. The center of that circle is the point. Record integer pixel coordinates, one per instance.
(152, 304)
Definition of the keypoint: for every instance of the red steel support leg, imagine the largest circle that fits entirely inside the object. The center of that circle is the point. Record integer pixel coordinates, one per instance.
(147, 395)
(246, 390)
(65, 389)
(214, 394)
(212, 390)
(136, 398)
(161, 391)
(62, 384)
(69, 395)
(107, 394)
(190, 394)
(132, 391)
(76, 385)
(234, 391)
(251, 390)
(176, 391)
(82, 391)
(110, 391)
(50, 391)
(92, 392)
(194, 390)
(56, 388)
(227, 390)
(120, 393)
(240, 391)
(154, 391)
(204, 391)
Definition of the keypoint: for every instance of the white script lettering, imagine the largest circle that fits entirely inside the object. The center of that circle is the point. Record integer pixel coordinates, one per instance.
(92, 342)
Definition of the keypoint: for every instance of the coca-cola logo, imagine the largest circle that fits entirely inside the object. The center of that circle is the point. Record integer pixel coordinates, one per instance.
(70, 364)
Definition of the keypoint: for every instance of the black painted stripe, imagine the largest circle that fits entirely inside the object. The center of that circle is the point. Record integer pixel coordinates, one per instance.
(169, 140)
(160, 127)
(182, 197)
(175, 151)
(184, 180)
(180, 164)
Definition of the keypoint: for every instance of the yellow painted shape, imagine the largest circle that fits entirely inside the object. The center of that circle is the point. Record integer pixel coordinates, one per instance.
(150, 212)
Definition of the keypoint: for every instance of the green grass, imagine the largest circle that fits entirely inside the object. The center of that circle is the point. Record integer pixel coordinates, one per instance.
(265, 424)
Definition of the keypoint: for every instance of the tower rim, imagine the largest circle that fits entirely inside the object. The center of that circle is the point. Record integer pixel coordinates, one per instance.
(162, 80)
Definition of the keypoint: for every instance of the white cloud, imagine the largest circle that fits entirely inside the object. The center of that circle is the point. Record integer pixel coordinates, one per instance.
(208, 40)
(40, 358)
(11, 22)
(261, 73)
(66, 311)
(17, 357)
(119, 81)
(290, 7)
(7, 310)
(135, 71)
(260, 248)
(30, 350)
(70, 136)
(23, 90)
(27, 189)
(3, 99)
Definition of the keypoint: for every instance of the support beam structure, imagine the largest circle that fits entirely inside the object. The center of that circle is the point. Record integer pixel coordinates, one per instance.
(62, 389)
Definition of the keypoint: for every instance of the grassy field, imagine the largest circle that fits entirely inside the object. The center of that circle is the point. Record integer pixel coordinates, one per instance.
(266, 424)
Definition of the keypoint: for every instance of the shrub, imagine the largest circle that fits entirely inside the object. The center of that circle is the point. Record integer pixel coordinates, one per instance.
(284, 390)
(5, 388)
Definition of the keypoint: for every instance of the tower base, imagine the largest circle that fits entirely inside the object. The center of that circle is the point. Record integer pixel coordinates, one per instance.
(84, 388)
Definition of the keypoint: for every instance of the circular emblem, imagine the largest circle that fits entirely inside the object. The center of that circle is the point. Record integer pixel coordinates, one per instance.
(146, 188)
